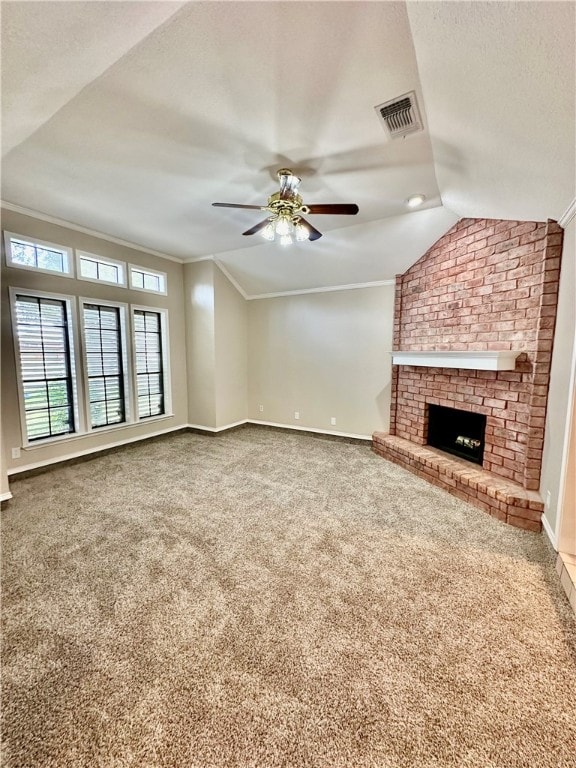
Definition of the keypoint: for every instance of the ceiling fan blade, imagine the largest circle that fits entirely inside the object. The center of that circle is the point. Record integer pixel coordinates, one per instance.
(288, 184)
(314, 234)
(349, 209)
(256, 227)
(237, 205)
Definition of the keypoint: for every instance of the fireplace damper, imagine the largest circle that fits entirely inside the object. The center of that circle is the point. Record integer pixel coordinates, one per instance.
(458, 432)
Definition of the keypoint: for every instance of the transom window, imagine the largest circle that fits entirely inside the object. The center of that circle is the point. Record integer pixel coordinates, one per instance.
(28, 253)
(39, 255)
(104, 364)
(45, 366)
(147, 280)
(149, 363)
(91, 267)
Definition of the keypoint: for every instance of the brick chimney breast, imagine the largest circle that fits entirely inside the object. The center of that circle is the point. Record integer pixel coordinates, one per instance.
(485, 285)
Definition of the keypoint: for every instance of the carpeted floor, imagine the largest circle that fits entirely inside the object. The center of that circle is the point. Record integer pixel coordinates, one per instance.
(273, 600)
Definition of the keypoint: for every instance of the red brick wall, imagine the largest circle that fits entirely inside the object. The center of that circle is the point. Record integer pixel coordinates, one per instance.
(485, 285)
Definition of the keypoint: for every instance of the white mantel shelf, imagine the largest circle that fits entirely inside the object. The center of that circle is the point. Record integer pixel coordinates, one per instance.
(497, 360)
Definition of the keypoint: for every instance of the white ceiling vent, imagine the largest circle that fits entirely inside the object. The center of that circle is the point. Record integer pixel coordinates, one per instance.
(400, 116)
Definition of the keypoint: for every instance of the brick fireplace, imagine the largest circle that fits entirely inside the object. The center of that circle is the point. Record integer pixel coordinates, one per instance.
(486, 290)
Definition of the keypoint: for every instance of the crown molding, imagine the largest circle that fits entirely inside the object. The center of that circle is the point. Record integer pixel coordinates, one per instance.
(5, 204)
(568, 214)
(278, 294)
(84, 230)
(194, 259)
(327, 289)
(222, 269)
(234, 282)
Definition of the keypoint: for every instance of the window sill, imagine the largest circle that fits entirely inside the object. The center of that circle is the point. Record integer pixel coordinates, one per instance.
(93, 432)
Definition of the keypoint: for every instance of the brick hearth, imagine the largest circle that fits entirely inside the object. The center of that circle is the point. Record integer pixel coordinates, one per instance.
(485, 285)
(501, 498)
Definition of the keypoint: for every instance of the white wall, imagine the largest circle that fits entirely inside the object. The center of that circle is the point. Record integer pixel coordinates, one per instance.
(231, 337)
(325, 355)
(567, 504)
(559, 394)
(200, 348)
(216, 343)
(4, 485)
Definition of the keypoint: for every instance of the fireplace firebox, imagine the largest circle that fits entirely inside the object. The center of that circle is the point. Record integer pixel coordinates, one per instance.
(460, 433)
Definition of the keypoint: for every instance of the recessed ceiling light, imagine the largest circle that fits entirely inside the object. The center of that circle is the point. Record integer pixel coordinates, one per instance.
(415, 201)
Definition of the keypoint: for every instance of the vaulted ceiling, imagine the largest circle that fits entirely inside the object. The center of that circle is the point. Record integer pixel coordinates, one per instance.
(131, 118)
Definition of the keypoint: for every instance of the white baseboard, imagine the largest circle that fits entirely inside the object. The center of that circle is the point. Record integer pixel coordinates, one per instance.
(217, 429)
(5, 496)
(87, 451)
(309, 429)
(549, 532)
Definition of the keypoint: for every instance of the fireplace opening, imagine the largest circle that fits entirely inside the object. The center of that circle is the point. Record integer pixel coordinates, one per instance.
(458, 432)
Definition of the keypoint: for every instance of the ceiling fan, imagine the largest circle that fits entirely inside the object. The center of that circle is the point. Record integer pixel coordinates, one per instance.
(286, 208)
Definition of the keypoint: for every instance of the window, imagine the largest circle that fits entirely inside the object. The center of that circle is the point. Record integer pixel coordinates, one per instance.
(104, 358)
(41, 256)
(46, 382)
(147, 280)
(76, 371)
(148, 344)
(91, 267)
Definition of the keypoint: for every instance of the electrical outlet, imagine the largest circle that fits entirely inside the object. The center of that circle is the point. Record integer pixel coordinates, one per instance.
(261, 407)
(15, 453)
(333, 421)
(296, 414)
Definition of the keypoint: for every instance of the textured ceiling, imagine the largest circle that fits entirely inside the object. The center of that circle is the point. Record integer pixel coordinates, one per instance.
(499, 85)
(50, 51)
(130, 118)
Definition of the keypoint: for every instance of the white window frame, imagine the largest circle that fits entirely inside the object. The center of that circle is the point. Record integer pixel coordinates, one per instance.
(78, 365)
(127, 365)
(75, 370)
(148, 271)
(121, 265)
(68, 252)
(165, 339)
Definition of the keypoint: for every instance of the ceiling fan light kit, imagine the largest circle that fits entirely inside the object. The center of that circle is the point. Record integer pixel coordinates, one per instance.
(286, 206)
(286, 228)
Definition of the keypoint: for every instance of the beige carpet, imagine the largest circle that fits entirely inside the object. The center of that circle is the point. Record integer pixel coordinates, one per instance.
(265, 600)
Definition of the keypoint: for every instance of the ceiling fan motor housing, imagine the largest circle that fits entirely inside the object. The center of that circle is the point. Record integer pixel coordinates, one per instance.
(287, 206)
